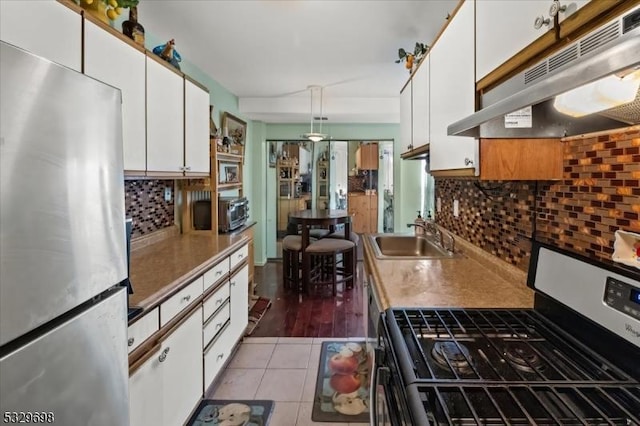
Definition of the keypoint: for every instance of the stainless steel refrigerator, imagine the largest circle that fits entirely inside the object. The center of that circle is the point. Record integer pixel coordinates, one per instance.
(63, 313)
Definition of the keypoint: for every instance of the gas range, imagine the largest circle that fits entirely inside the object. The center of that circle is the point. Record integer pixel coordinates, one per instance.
(570, 360)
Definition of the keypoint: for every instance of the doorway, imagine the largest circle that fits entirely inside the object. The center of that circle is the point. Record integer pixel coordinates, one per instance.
(352, 175)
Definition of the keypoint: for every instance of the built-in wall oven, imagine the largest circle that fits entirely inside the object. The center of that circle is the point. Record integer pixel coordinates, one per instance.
(572, 359)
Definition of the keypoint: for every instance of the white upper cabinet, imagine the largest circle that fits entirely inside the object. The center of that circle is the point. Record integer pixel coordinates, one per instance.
(196, 131)
(420, 113)
(503, 28)
(45, 28)
(453, 92)
(165, 120)
(405, 117)
(123, 67)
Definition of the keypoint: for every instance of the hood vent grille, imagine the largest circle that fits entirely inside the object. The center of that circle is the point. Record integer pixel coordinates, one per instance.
(600, 38)
(563, 58)
(535, 73)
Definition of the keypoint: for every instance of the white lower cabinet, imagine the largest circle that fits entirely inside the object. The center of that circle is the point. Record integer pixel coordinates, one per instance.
(239, 294)
(166, 387)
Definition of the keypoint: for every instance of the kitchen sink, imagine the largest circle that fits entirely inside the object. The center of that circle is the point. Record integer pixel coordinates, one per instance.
(406, 246)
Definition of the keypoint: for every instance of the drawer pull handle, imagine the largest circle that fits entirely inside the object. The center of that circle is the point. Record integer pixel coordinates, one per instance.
(218, 325)
(219, 301)
(163, 355)
(130, 341)
(233, 283)
(186, 298)
(240, 256)
(218, 273)
(219, 357)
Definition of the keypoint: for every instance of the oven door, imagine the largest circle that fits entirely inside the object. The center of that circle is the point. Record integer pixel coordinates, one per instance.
(387, 394)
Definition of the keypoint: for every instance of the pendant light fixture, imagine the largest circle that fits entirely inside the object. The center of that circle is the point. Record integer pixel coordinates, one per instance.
(313, 136)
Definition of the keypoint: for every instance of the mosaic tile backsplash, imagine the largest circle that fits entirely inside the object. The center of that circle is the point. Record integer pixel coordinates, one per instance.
(495, 216)
(144, 202)
(600, 193)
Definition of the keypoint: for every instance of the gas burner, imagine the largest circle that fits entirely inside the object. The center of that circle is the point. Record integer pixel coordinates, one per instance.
(447, 353)
(522, 357)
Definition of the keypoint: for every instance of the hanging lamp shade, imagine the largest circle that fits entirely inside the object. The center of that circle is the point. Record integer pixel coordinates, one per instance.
(315, 136)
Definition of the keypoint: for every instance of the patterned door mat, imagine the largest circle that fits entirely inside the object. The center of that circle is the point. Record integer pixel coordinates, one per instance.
(342, 386)
(212, 412)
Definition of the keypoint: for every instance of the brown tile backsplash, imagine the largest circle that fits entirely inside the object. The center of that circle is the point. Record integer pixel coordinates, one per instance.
(600, 193)
(495, 216)
(144, 202)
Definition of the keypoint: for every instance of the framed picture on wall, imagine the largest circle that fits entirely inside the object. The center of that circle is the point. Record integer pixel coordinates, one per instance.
(234, 128)
(229, 173)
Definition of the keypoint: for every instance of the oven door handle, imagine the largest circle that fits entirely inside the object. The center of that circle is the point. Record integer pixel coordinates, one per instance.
(378, 371)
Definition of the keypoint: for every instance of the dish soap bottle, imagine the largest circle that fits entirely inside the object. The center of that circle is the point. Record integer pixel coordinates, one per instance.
(419, 222)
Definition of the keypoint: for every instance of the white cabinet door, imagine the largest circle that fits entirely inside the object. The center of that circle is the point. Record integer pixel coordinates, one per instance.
(145, 393)
(239, 286)
(420, 89)
(452, 92)
(572, 7)
(165, 119)
(45, 28)
(503, 28)
(196, 131)
(406, 138)
(181, 371)
(109, 59)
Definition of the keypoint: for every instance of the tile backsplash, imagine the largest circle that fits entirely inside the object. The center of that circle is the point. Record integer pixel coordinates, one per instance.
(145, 203)
(600, 193)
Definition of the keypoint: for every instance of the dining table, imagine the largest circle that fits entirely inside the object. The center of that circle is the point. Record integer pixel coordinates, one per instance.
(320, 217)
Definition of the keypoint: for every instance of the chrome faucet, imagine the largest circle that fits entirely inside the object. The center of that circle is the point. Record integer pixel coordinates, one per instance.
(430, 228)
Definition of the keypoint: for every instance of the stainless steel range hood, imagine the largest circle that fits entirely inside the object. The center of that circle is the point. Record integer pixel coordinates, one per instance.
(611, 49)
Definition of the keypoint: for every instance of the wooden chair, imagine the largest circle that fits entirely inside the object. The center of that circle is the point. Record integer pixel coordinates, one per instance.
(327, 263)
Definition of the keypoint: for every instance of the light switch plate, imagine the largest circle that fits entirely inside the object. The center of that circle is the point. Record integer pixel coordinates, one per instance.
(439, 205)
(167, 194)
(456, 208)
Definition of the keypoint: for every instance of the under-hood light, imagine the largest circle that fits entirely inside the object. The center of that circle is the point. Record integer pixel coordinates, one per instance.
(608, 92)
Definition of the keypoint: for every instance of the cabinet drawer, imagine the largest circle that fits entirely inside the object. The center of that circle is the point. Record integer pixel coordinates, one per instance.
(180, 300)
(216, 355)
(215, 300)
(140, 330)
(215, 324)
(238, 256)
(214, 274)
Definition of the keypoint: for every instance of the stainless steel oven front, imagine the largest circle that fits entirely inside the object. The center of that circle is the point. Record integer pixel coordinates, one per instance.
(389, 405)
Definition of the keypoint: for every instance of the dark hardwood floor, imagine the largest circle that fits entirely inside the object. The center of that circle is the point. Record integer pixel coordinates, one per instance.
(295, 315)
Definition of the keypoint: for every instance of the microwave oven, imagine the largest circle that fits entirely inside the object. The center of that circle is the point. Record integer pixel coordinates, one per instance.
(233, 212)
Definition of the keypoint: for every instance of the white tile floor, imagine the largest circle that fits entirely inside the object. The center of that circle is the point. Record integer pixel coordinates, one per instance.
(282, 369)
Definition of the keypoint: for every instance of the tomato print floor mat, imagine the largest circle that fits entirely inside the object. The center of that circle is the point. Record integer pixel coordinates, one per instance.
(232, 412)
(342, 386)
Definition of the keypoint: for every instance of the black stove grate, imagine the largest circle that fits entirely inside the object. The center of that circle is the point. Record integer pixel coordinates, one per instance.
(520, 404)
(505, 367)
(495, 345)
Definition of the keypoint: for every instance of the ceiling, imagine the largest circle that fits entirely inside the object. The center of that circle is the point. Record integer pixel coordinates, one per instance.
(268, 52)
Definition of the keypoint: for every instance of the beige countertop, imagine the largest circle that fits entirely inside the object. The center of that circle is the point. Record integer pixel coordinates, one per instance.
(472, 280)
(162, 268)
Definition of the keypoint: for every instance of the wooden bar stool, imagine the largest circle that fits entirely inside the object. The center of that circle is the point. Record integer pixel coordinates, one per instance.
(291, 262)
(351, 258)
(323, 269)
